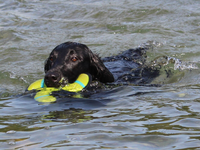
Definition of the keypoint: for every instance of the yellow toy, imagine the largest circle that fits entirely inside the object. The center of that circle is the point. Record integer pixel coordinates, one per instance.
(44, 94)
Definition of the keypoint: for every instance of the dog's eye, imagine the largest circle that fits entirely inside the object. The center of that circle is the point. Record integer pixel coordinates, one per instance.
(74, 59)
(51, 59)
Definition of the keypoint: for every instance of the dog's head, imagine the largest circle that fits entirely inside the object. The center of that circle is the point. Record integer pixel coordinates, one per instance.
(68, 60)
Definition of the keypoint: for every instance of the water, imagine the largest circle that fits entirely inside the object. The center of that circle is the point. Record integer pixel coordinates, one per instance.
(127, 117)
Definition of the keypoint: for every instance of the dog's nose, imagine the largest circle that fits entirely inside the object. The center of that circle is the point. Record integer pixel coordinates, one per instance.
(52, 79)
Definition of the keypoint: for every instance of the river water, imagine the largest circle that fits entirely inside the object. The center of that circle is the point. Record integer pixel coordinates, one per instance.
(127, 117)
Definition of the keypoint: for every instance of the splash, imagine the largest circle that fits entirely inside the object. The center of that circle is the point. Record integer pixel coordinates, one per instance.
(155, 59)
(181, 65)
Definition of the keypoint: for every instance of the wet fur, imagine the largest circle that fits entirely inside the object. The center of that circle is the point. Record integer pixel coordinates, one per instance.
(124, 68)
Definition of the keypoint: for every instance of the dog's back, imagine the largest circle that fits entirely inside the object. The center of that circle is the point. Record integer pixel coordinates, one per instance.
(129, 67)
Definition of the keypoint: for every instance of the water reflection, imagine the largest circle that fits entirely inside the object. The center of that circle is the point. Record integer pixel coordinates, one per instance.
(70, 115)
(139, 116)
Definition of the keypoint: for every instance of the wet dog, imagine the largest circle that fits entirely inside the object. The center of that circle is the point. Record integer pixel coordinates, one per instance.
(68, 60)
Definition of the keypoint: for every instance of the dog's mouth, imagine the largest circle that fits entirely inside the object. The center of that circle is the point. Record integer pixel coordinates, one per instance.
(63, 82)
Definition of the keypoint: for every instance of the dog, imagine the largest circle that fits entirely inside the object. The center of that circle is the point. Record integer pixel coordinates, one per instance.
(68, 60)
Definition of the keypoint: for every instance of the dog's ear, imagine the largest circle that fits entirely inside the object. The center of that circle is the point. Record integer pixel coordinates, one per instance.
(99, 70)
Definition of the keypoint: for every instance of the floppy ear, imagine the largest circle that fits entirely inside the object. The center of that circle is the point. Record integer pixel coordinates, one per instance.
(99, 70)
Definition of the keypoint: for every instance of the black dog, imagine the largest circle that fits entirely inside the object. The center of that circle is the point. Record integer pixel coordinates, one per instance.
(68, 60)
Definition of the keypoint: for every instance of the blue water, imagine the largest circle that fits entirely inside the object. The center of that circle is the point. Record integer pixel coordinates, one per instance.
(126, 117)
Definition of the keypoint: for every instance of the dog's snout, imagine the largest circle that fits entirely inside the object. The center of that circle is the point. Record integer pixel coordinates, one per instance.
(52, 79)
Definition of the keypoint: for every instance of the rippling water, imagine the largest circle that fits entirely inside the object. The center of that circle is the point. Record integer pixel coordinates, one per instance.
(127, 117)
